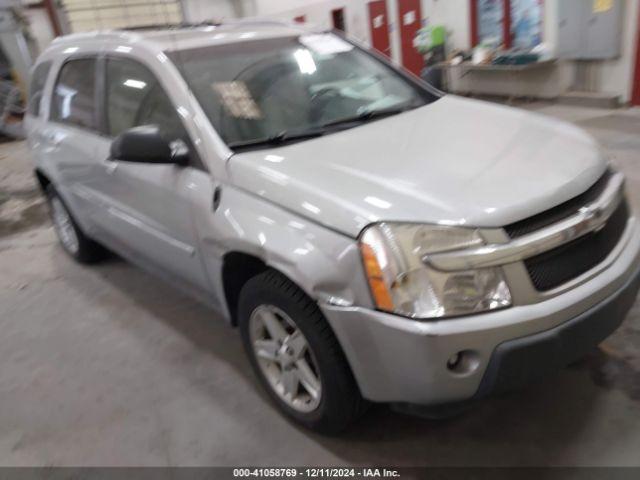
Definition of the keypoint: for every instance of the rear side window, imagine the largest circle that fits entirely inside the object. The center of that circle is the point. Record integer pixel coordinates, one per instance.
(36, 87)
(74, 99)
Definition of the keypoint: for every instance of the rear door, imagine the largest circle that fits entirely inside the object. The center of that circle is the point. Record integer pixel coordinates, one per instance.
(148, 208)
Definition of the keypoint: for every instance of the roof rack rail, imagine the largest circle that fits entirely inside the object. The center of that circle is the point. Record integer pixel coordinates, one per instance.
(256, 21)
(213, 23)
(169, 26)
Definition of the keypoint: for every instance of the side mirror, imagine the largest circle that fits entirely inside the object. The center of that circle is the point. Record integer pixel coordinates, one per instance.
(146, 145)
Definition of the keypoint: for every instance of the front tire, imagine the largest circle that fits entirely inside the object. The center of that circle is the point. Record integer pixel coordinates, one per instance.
(296, 355)
(73, 240)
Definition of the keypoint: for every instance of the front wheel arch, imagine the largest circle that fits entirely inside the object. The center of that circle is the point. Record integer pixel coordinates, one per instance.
(238, 268)
(344, 403)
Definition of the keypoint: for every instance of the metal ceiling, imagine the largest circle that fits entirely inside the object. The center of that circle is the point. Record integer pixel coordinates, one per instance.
(86, 15)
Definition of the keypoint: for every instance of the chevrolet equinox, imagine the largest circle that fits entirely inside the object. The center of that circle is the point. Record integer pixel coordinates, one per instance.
(373, 239)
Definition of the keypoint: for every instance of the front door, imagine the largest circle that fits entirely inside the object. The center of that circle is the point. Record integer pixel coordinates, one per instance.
(410, 20)
(148, 209)
(70, 138)
(379, 26)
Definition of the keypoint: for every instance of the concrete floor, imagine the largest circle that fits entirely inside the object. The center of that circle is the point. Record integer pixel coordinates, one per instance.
(109, 366)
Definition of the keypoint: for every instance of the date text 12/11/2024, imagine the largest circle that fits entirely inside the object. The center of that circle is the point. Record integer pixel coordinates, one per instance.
(317, 472)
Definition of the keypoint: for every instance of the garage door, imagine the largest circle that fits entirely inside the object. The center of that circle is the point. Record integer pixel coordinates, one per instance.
(85, 15)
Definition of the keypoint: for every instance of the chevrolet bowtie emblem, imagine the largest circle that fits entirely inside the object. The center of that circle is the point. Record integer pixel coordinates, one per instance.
(595, 216)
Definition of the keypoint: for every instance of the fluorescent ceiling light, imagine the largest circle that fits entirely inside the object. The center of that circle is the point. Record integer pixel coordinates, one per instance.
(305, 61)
(138, 84)
(377, 202)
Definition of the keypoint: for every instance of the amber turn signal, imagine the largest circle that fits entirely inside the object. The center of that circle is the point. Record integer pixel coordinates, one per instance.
(381, 294)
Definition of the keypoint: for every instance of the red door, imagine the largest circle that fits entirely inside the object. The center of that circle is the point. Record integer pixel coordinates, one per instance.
(635, 95)
(410, 20)
(379, 25)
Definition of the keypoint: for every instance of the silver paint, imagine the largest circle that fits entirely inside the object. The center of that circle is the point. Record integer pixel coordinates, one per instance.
(300, 209)
(589, 219)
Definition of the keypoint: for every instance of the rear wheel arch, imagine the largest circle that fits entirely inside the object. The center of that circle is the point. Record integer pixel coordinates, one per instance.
(84, 249)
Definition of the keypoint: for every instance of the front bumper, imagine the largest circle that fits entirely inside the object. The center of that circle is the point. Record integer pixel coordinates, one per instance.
(400, 360)
(518, 362)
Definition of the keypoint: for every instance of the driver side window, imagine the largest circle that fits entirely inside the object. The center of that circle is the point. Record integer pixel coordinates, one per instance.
(134, 98)
(157, 109)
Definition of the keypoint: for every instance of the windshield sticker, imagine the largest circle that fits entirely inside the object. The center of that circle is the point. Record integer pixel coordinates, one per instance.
(237, 99)
(325, 44)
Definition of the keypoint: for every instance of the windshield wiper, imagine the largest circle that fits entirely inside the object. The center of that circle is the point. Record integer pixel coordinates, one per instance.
(277, 139)
(300, 135)
(368, 115)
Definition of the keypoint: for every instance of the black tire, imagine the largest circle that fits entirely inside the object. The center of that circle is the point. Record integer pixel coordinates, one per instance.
(340, 402)
(87, 251)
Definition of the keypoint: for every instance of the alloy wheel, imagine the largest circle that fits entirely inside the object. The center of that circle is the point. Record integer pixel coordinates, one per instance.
(64, 226)
(285, 358)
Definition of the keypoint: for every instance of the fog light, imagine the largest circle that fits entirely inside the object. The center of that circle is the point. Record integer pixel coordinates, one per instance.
(454, 361)
(463, 363)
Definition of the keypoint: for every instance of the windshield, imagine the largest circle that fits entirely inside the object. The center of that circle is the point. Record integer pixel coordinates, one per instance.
(257, 91)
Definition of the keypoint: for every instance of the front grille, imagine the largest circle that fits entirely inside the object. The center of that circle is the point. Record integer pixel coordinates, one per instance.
(560, 212)
(561, 265)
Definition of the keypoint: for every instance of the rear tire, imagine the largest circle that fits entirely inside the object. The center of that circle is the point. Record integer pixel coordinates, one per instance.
(271, 296)
(73, 240)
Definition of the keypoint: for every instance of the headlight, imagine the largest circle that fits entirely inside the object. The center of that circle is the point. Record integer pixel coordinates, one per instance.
(402, 283)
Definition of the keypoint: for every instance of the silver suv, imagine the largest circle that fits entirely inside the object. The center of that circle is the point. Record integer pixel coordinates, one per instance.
(372, 239)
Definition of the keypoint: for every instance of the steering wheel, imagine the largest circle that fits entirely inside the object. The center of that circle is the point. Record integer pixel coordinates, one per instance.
(320, 100)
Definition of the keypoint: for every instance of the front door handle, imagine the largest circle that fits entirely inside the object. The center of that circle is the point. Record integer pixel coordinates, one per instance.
(110, 166)
(52, 139)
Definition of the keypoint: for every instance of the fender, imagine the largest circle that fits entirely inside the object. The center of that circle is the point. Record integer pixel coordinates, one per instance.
(324, 263)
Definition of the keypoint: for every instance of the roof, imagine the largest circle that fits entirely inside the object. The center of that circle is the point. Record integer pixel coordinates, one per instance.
(193, 36)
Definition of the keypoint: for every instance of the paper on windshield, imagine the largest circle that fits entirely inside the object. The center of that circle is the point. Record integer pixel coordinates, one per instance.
(325, 44)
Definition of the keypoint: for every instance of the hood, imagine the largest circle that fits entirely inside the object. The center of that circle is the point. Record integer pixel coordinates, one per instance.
(455, 161)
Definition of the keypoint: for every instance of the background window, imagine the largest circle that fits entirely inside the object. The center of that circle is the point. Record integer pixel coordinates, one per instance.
(526, 23)
(74, 94)
(36, 88)
(490, 22)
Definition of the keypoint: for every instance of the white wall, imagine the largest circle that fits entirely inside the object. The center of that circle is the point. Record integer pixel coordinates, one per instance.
(613, 76)
(455, 16)
(209, 10)
(610, 76)
(318, 12)
(616, 76)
